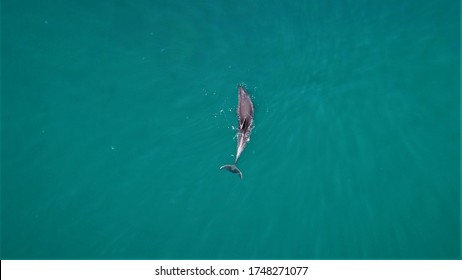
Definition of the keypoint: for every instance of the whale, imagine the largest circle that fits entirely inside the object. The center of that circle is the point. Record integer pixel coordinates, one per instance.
(245, 125)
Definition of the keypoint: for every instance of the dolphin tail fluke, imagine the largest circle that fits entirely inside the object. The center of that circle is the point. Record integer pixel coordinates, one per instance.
(232, 168)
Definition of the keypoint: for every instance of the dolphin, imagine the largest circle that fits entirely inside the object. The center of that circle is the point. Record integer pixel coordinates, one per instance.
(245, 122)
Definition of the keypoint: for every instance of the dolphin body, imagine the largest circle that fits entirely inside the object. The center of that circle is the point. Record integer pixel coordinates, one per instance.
(245, 121)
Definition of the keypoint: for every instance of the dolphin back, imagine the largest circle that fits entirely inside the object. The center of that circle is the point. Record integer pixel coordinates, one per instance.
(232, 168)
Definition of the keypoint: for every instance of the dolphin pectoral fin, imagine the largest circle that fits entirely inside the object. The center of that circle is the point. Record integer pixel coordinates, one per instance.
(232, 168)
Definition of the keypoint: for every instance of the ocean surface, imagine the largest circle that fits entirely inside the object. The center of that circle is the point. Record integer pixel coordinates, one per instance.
(116, 116)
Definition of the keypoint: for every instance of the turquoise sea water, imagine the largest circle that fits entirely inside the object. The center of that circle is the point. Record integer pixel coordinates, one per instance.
(116, 116)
